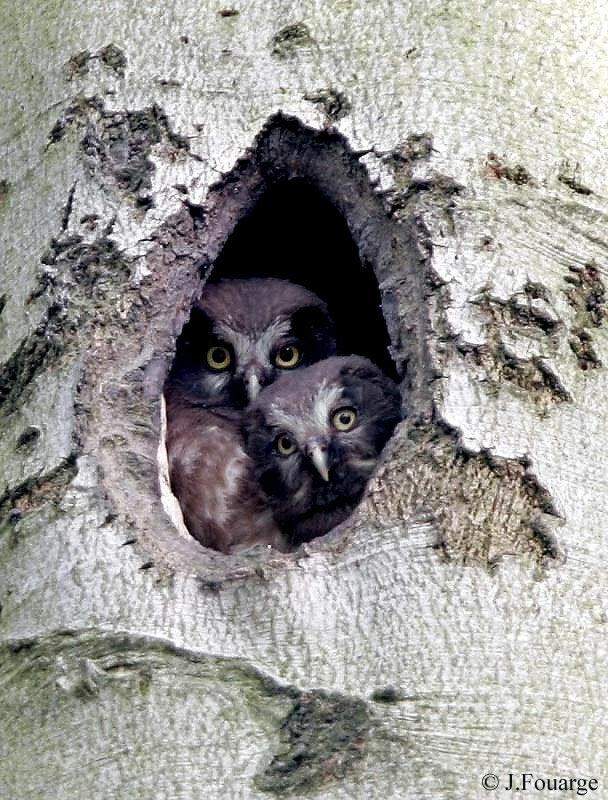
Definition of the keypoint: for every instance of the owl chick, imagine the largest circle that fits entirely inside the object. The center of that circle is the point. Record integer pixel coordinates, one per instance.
(315, 438)
(242, 334)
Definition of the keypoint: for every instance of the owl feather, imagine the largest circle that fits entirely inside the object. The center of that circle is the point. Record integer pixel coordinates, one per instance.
(315, 438)
(241, 336)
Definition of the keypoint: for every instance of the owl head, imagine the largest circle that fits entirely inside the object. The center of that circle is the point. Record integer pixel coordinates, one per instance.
(315, 437)
(245, 333)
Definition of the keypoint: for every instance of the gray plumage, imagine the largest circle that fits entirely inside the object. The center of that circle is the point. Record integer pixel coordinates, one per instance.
(315, 439)
(241, 335)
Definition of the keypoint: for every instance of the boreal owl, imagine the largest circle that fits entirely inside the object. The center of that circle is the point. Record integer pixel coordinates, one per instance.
(241, 335)
(315, 438)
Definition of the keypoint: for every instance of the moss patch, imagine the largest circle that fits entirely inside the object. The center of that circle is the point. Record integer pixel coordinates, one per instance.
(117, 144)
(30, 357)
(36, 491)
(569, 175)
(113, 58)
(526, 315)
(5, 190)
(485, 506)
(496, 167)
(323, 736)
(334, 104)
(286, 42)
(586, 294)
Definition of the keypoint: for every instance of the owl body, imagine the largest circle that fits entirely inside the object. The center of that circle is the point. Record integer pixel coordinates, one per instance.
(315, 439)
(212, 477)
(241, 335)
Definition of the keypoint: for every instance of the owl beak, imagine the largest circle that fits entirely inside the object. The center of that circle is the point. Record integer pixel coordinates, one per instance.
(318, 456)
(252, 384)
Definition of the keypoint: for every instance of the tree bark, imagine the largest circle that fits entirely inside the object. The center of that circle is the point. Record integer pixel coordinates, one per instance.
(454, 628)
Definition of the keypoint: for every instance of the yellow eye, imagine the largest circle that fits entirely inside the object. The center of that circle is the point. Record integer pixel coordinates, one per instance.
(344, 419)
(287, 356)
(218, 357)
(285, 445)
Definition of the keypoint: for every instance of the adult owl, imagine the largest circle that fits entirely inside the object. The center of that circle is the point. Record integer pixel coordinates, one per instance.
(315, 439)
(241, 335)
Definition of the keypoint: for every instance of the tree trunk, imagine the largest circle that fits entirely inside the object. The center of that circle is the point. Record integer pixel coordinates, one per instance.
(454, 628)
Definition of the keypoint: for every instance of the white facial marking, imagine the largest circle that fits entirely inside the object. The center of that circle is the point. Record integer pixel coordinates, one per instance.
(308, 420)
(254, 347)
(252, 382)
(327, 397)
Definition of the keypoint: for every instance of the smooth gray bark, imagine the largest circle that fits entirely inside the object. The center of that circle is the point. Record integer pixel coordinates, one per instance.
(457, 625)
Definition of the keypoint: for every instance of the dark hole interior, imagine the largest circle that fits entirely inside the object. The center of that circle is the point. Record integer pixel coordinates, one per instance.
(296, 233)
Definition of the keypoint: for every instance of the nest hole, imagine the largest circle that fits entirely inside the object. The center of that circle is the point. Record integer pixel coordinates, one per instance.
(300, 206)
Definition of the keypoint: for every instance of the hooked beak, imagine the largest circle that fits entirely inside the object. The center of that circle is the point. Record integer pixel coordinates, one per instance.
(318, 456)
(252, 382)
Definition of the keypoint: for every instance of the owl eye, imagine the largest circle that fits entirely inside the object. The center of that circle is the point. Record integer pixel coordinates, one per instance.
(285, 445)
(287, 356)
(218, 357)
(344, 419)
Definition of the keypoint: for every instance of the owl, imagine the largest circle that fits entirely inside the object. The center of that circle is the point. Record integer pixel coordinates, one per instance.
(242, 334)
(315, 437)
(212, 477)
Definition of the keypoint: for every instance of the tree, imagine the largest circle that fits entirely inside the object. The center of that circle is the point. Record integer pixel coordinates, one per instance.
(454, 628)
